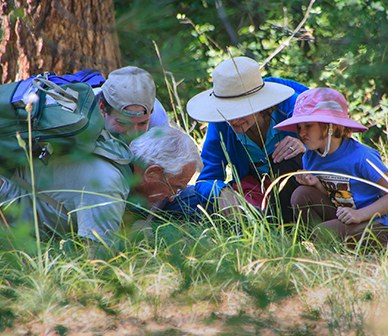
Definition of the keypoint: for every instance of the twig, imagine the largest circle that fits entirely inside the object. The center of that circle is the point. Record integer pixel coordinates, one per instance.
(4, 219)
(33, 189)
(173, 93)
(224, 18)
(169, 89)
(179, 105)
(207, 38)
(287, 42)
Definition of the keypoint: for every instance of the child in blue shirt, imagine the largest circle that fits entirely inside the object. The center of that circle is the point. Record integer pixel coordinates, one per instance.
(341, 203)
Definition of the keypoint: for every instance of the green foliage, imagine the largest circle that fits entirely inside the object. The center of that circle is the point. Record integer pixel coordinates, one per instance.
(342, 45)
(6, 317)
(61, 330)
(19, 237)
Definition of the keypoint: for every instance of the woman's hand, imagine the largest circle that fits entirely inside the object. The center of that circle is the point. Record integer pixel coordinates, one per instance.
(228, 201)
(287, 148)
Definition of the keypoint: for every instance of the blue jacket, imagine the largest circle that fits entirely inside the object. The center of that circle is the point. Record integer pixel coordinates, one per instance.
(212, 177)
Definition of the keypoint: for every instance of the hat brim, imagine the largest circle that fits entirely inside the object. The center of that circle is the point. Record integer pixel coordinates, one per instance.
(291, 123)
(206, 107)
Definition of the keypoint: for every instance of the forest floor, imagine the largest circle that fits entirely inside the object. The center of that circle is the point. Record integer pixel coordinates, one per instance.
(233, 314)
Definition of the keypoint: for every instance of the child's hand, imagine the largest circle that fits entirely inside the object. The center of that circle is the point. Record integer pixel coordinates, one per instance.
(307, 179)
(348, 215)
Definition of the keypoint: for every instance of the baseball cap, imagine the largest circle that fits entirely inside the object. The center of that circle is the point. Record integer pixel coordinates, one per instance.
(130, 86)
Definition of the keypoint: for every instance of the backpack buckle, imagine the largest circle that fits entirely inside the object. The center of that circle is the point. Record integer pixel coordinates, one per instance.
(45, 153)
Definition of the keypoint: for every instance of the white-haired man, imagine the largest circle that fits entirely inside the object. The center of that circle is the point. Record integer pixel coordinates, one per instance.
(95, 190)
(127, 102)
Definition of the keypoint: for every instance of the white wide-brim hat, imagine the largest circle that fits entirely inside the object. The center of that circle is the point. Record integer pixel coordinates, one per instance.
(238, 91)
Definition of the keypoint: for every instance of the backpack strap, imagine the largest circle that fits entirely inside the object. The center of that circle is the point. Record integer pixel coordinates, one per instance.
(67, 98)
(116, 151)
(49, 200)
(113, 148)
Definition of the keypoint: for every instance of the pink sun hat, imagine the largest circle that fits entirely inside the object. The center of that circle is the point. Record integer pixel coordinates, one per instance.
(324, 105)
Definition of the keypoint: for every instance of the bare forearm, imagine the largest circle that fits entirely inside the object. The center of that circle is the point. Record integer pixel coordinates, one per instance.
(376, 209)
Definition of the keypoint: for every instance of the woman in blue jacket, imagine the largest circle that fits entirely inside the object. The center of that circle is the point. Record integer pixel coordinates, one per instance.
(242, 109)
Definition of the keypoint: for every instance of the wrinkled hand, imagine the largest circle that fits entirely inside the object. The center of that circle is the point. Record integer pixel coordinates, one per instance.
(307, 179)
(287, 148)
(348, 215)
(228, 201)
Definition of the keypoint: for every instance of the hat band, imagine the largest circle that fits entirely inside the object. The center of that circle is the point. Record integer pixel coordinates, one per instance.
(247, 93)
(133, 113)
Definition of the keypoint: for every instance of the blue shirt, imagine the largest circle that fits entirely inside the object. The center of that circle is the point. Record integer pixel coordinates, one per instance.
(350, 159)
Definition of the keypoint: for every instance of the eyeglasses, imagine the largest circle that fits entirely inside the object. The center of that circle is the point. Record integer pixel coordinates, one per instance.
(175, 192)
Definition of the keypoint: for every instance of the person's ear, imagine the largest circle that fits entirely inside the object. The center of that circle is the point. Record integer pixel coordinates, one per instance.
(153, 173)
(102, 108)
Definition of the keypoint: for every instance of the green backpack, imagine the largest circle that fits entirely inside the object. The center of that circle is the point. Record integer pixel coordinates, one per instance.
(65, 119)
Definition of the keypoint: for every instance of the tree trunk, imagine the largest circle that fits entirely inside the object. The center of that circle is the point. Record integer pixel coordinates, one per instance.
(57, 35)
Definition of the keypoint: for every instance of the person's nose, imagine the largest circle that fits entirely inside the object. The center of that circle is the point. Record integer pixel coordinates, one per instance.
(301, 132)
(234, 122)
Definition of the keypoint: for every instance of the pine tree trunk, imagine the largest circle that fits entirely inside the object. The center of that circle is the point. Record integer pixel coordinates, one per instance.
(57, 35)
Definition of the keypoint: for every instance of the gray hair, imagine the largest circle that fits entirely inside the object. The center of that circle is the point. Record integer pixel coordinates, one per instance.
(166, 147)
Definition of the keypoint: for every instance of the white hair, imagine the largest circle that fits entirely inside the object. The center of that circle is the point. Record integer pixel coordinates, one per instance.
(166, 147)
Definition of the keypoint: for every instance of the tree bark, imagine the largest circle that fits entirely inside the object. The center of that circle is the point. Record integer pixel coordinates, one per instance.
(57, 35)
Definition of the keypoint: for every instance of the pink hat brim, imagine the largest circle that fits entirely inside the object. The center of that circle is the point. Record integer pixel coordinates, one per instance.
(291, 123)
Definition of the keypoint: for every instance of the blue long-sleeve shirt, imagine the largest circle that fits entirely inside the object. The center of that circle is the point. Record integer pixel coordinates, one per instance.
(212, 177)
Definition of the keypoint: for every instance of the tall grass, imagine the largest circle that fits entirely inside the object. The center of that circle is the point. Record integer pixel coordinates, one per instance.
(251, 272)
(184, 263)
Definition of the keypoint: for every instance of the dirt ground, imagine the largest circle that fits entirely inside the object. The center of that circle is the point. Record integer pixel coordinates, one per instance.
(234, 314)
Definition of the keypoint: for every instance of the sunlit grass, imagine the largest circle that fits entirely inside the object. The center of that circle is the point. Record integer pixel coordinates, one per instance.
(243, 273)
(185, 264)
